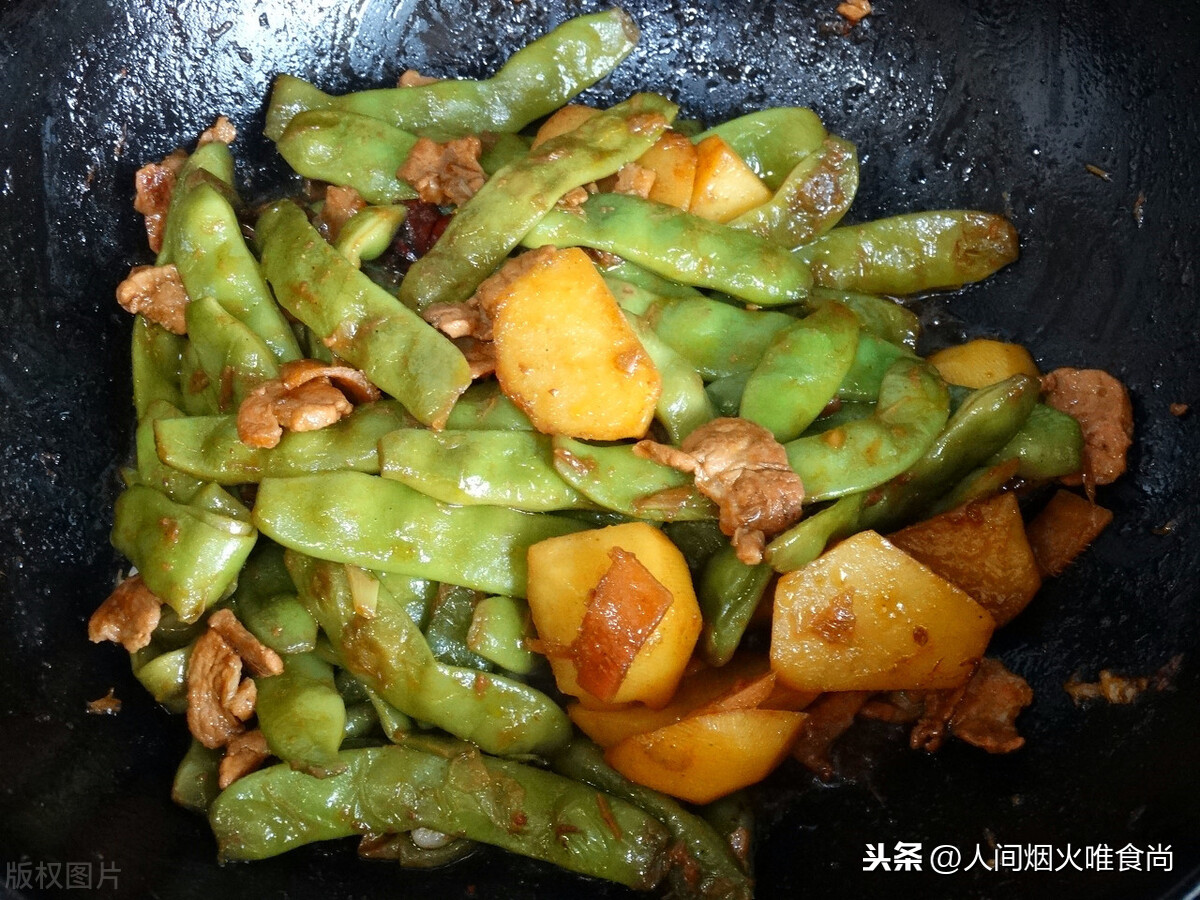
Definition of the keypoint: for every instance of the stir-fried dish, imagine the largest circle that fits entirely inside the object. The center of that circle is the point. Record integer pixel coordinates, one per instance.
(542, 476)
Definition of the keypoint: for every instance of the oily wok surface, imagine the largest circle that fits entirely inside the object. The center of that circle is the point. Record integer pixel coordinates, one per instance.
(951, 103)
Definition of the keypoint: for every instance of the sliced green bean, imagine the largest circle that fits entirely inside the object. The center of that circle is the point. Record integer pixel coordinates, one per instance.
(196, 782)
(151, 470)
(491, 468)
(500, 627)
(683, 406)
(163, 675)
(212, 162)
(155, 354)
(800, 372)
(187, 556)
(208, 447)
(1049, 445)
(709, 869)
(882, 317)
(232, 356)
(617, 479)
(359, 320)
(812, 199)
(536, 80)
(680, 246)
(391, 789)
(449, 622)
(912, 253)
(380, 524)
(504, 149)
(349, 149)
(369, 233)
(390, 656)
(729, 592)
(484, 407)
(912, 409)
(488, 226)
(983, 482)
(302, 715)
(197, 391)
(806, 540)
(772, 141)
(625, 273)
(872, 359)
(280, 621)
(394, 724)
(842, 412)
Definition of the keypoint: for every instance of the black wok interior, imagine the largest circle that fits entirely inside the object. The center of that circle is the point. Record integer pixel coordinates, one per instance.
(952, 103)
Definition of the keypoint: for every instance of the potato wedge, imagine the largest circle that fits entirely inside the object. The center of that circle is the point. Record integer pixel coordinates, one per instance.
(704, 757)
(867, 616)
(724, 187)
(982, 548)
(982, 361)
(673, 161)
(565, 354)
(1063, 530)
(563, 572)
(566, 119)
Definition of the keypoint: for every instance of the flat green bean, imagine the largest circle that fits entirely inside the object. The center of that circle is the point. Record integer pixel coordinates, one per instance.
(195, 785)
(484, 407)
(302, 715)
(369, 233)
(882, 317)
(729, 591)
(155, 354)
(231, 355)
(500, 627)
(1049, 445)
(683, 406)
(449, 622)
(772, 141)
(806, 540)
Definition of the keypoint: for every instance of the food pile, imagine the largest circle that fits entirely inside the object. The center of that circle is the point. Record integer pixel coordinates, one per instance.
(541, 475)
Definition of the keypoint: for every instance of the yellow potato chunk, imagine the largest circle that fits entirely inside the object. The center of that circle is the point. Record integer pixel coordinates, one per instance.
(981, 362)
(982, 548)
(563, 573)
(566, 119)
(704, 757)
(564, 352)
(673, 161)
(866, 616)
(724, 187)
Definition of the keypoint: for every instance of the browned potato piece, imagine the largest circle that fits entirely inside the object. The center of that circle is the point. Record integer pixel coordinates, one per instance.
(673, 161)
(982, 548)
(566, 119)
(867, 616)
(725, 187)
(564, 352)
(1064, 528)
(982, 361)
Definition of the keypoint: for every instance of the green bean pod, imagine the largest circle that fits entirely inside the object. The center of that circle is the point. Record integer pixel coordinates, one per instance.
(616, 479)
(155, 354)
(800, 372)
(806, 540)
(449, 623)
(389, 655)
(708, 870)
(726, 393)
(361, 721)
(872, 359)
(882, 317)
(978, 484)
(536, 80)
(490, 468)
(360, 321)
(349, 149)
(380, 524)
(624, 272)
(163, 675)
(1049, 445)
(214, 261)
(488, 226)
(912, 253)
(391, 789)
(394, 724)
(912, 409)
(683, 406)
(212, 162)
(812, 199)
(369, 233)
(484, 407)
(208, 447)
(198, 392)
(772, 141)
(151, 470)
(680, 246)
(500, 627)
(697, 541)
(232, 356)
(729, 591)
(302, 715)
(196, 785)
(189, 557)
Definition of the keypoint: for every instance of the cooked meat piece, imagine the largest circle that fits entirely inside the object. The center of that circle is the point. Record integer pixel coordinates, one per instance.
(128, 617)
(985, 715)
(303, 398)
(154, 183)
(457, 320)
(1101, 405)
(981, 712)
(745, 471)
(481, 355)
(446, 173)
(108, 705)
(219, 700)
(1064, 529)
(634, 180)
(221, 130)
(896, 707)
(157, 293)
(573, 199)
(1111, 687)
(340, 206)
(829, 717)
(854, 11)
(260, 658)
(413, 78)
(244, 754)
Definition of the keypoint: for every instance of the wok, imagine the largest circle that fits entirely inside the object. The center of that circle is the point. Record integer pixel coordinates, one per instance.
(952, 103)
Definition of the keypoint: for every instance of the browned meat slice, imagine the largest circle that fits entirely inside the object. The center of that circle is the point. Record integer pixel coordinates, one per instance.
(340, 206)
(573, 199)
(634, 180)
(456, 320)
(260, 658)
(982, 712)
(446, 173)
(157, 293)
(1111, 687)
(745, 471)
(896, 707)
(221, 130)
(154, 183)
(481, 355)
(413, 78)
(303, 398)
(219, 700)
(854, 11)
(1101, 405)
(244, 754)
(829, 717)
(128, 617)
(108, 705)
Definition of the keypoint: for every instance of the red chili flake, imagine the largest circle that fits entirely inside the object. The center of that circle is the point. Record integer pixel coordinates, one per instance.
(562, 829)
(606, 814)
(518, 821)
